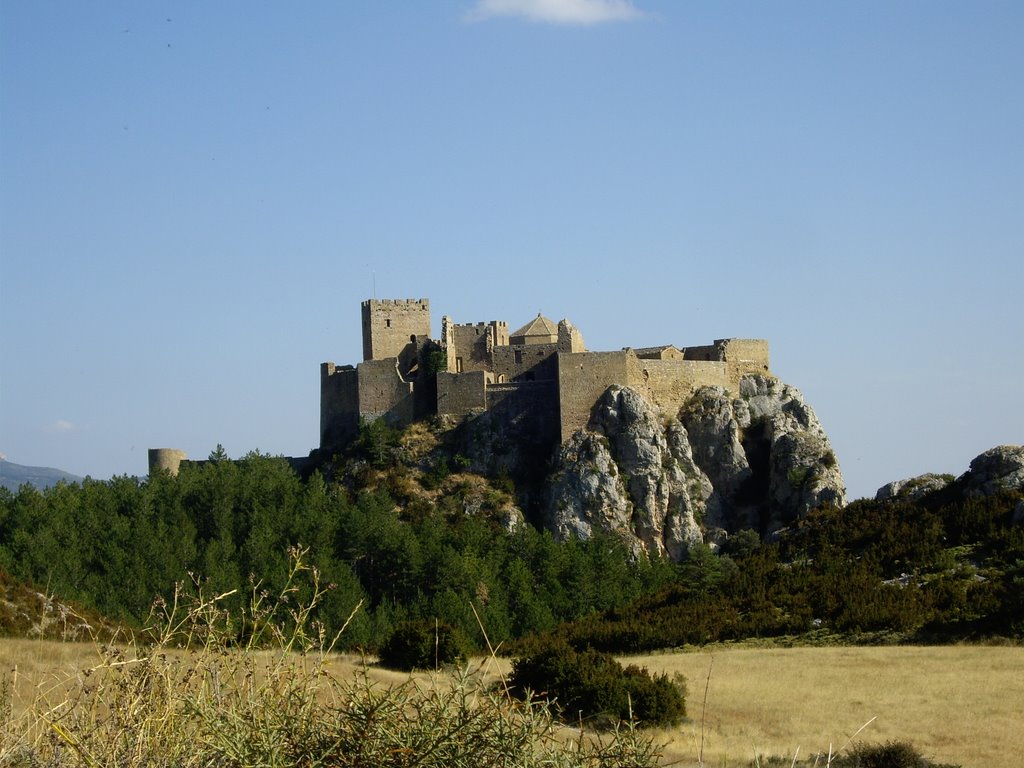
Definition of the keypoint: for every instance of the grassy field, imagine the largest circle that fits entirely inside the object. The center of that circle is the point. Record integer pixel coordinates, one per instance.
(959, 704)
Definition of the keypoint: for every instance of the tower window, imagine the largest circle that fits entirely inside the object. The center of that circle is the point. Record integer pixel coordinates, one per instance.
(387, 323)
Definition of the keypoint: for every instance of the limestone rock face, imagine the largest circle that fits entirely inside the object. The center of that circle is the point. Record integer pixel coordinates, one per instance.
(723, 464)
(997, 469)
(630, 476)
(913, 488)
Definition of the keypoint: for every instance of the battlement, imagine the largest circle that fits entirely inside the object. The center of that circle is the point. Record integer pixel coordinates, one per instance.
(421, 304)
(482, 324)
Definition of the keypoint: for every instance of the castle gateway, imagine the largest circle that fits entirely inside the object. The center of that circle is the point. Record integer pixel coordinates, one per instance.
(541, 375)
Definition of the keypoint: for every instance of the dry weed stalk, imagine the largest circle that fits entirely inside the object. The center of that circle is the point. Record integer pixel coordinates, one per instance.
(204, 686)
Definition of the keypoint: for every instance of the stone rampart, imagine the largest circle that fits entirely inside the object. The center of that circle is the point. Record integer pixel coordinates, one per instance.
(525, 362)
(339, 404)
(384, 394)
(669, 383)
(458, 394)
(474, 367)
(473, 344)
(744, 357)
(528, 410)
(582, 379)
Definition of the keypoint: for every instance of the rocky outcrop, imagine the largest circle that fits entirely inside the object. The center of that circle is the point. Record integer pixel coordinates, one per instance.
(997, 469)
(631, 476)
(723, 464)
(790, 466)
(913, 488)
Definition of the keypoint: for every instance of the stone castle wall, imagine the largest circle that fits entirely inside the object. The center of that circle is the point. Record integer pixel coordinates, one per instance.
(166, 460)
(582, 379)
(744, 357)
(531, 362)
(339, 403)
(541, 393)
(384, 394)
(669, 383)
(528, 410)
(461, 393)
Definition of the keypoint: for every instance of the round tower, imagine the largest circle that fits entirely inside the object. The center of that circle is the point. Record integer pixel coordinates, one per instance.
(165, 460)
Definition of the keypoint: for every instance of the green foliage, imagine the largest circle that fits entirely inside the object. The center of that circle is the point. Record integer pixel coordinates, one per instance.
(114, 546)
(937, 570)
(437, 361)
(377, 442)
(218, 454)
(423, 645)
(594, 686)
(436, 475)
(940, 569)
(893, 754)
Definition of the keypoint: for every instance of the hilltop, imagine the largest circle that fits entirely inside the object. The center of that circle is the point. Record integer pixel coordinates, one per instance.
(13, 475)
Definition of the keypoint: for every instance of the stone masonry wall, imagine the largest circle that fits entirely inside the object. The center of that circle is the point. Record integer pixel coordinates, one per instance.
(165, 460)
(669, 383)
(582, 379)
(460, 393)
(383, 394)
(339, 404)
(744, 357)
(528, 410)
(390, 324)
(524, 362)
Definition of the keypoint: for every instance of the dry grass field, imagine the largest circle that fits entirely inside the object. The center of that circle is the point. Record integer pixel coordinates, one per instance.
(959, 704)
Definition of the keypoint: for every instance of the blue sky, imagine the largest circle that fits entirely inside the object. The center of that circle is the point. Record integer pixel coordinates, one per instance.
(195, 197)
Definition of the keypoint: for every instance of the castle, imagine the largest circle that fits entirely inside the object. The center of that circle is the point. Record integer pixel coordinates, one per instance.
(540, 378)
(539, 383)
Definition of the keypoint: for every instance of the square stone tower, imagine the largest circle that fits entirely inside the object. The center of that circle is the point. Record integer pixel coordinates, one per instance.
(390, 325)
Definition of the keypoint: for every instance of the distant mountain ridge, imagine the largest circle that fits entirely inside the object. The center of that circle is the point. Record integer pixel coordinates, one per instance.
(13, 476)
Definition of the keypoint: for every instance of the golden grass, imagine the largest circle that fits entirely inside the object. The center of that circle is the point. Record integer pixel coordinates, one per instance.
(957, 704)
(42, 671)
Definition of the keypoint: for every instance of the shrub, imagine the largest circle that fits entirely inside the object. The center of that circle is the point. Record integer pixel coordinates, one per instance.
(423, 645)
(893, 754)
(593, 685)
(434, 477)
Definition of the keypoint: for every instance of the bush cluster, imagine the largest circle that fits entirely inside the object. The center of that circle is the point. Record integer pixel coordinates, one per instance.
(892, 754)
(940, 569)
(423, 644)
(593, 686)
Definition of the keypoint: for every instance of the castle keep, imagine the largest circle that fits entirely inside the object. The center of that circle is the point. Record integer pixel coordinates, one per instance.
(540, 378)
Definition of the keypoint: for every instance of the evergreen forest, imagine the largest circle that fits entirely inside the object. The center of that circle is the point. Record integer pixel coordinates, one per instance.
(430, 544)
